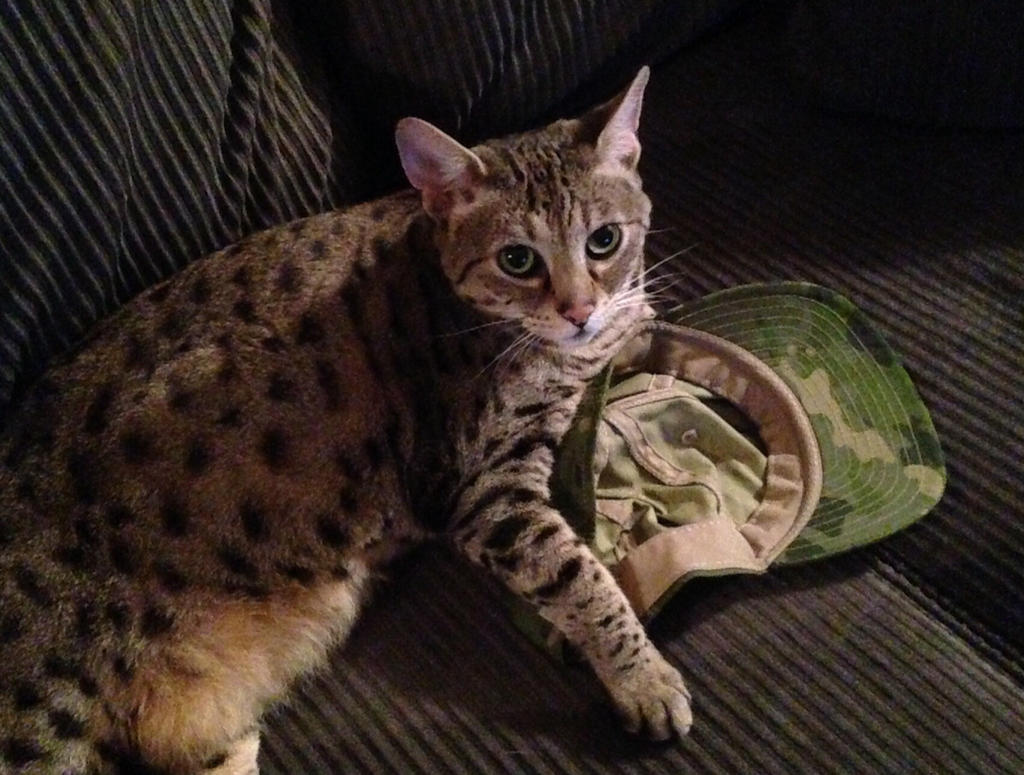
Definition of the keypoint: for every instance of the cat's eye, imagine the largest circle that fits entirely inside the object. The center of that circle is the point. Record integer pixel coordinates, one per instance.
(519, 260)
(602, 242)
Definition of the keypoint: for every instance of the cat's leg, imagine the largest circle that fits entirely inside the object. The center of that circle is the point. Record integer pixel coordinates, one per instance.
(207, 683)
(239, 759)
(512, 531)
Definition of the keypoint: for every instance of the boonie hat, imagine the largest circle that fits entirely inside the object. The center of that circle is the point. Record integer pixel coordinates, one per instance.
(764, 424)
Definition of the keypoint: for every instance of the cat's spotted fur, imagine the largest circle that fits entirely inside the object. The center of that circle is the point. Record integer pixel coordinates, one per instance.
(192, 505)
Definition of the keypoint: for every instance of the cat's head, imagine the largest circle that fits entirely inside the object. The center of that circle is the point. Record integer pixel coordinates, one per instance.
(545, 228)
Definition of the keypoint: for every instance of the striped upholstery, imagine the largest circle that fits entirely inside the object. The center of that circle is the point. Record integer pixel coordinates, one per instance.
(945, 62)
(135, 137)
(496, 66)
(144, 134)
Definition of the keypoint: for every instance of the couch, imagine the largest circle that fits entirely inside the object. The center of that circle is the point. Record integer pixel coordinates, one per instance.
(877, 152)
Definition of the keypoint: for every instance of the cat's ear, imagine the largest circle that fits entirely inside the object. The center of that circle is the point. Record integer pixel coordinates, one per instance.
(612, 127)
(439, 166)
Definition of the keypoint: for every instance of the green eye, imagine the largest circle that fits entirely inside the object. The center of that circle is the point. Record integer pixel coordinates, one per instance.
(603, 241)
(518, 260)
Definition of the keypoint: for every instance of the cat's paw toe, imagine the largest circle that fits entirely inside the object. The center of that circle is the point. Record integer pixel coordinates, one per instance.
(656, 703)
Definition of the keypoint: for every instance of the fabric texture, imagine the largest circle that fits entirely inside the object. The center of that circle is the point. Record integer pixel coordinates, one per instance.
(489, 67)
(945, 62)
(665, 454)
(883, 463)
(735, 504)
(139, 136)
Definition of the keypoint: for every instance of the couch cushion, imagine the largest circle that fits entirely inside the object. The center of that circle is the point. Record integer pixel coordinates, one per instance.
(949, 62)
(138, 136)
(489, 67)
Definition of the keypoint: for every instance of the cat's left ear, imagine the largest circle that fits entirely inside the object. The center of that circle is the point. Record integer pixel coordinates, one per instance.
(436, 164)
(615, 125)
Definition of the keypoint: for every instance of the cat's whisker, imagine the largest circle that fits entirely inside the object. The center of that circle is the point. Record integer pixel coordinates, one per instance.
(680, 252)
(489, 324)
(526, 345)
(629, 306)
(640, 297)
(638, 300)
(662, 284)
(631, 288)
(632, 300)
(648, 278)
(666, 293)
(517, 342)
(651, 287)
(638, 291)
(635, 283)
(663, 275)
(663, 278)
(649, 270)
(670, 256)
(504, 362)
(662, 299)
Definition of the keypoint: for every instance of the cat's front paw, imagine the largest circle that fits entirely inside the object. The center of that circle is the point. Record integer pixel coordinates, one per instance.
(652, 700)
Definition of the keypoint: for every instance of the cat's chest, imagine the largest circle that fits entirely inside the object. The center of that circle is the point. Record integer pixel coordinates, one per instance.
(538, 402)
(488, 420)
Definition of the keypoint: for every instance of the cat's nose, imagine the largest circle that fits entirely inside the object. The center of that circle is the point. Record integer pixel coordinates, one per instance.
(577, 313)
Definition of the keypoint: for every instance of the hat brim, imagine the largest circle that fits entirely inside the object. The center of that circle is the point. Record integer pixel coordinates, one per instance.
(882, 463)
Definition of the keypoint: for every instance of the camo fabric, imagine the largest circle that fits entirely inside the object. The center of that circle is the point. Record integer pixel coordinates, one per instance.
(882, 463)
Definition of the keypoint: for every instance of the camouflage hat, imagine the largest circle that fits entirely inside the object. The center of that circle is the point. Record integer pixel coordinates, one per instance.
(767, 423)
(881, 460)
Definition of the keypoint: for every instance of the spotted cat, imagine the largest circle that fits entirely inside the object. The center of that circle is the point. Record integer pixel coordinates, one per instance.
(193, 504)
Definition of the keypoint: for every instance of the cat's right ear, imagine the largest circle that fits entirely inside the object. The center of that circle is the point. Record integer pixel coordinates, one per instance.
(439, 166)
(612, 127)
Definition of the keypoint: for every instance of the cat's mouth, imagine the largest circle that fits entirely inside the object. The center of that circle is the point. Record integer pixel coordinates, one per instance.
(599, 324)
(569, 337)
(561, 339)
(584, 335)
(607, 323)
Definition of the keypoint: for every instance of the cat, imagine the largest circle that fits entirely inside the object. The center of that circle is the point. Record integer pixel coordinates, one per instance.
(194, 503)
